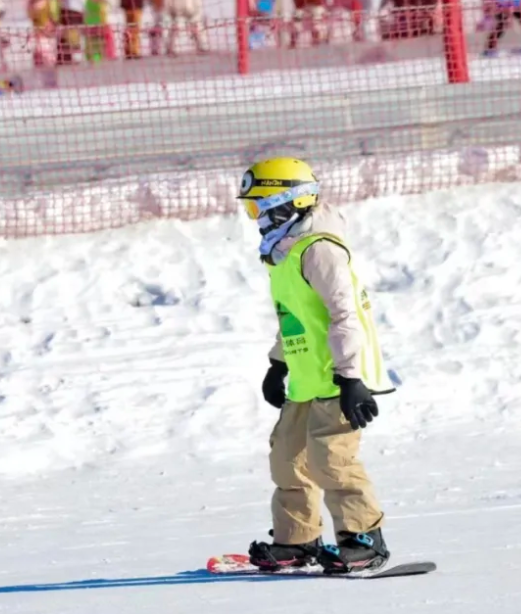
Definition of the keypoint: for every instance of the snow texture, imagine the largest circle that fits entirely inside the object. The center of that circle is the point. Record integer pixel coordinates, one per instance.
(133, 436)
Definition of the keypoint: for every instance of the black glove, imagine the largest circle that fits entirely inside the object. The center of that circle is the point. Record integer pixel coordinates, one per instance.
(356, 402)
(273, 388)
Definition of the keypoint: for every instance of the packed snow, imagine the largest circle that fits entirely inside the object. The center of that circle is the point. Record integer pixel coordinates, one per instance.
(270, 85)
(133, 435)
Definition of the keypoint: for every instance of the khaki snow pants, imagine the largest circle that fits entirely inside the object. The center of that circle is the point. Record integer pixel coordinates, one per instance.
(314, 449)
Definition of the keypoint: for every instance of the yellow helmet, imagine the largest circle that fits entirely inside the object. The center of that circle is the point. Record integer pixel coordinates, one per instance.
(278, 182)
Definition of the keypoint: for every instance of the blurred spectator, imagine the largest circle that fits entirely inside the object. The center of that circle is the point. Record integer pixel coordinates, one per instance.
(189, 12)
(133, 10)
(69, 32)
(4, 41)
(99, 37)
(262, 14)
(156, 32)
(181, 12)
(412, 19)
(487, 21)
(308, 13)
(503, 12)
(44, 15)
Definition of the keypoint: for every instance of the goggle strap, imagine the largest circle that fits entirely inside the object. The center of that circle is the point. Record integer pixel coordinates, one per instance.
(275, 200)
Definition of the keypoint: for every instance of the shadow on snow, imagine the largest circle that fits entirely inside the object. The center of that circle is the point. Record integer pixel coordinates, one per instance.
(199, 576)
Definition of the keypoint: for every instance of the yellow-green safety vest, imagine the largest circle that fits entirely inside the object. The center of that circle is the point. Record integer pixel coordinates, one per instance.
(304, 323)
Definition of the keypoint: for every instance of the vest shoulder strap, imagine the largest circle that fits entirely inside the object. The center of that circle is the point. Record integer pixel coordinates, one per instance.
(324, 236)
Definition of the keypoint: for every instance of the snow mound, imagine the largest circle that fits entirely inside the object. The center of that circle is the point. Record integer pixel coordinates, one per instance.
(152, 339)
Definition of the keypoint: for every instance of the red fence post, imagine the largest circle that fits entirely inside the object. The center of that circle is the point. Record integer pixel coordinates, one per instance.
(454, 42)
(243, 49)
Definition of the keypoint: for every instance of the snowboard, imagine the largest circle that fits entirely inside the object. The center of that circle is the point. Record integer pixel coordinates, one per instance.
(239, 564)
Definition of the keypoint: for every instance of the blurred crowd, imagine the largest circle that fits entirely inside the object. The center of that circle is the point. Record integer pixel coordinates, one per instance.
(65, 31)
(68, 31)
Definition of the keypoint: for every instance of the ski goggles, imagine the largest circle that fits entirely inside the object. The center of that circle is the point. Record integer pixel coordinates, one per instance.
(256, 208)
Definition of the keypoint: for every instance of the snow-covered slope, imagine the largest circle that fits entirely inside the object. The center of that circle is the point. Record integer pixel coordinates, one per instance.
(133, 437)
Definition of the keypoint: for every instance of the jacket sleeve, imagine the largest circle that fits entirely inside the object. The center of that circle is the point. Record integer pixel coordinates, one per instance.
(276, 352)
(324, 266)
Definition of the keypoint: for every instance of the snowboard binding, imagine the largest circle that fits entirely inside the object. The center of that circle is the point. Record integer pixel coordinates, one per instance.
(358, 553)
(274, 557)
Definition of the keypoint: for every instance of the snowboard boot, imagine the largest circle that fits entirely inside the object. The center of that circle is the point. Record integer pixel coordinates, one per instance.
(355, 552)
(272, 557)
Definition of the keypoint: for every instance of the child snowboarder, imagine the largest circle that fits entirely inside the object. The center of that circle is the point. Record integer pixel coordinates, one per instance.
(327, 345)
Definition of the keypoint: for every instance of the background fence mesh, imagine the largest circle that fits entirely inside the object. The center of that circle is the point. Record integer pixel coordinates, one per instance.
(109, 124)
